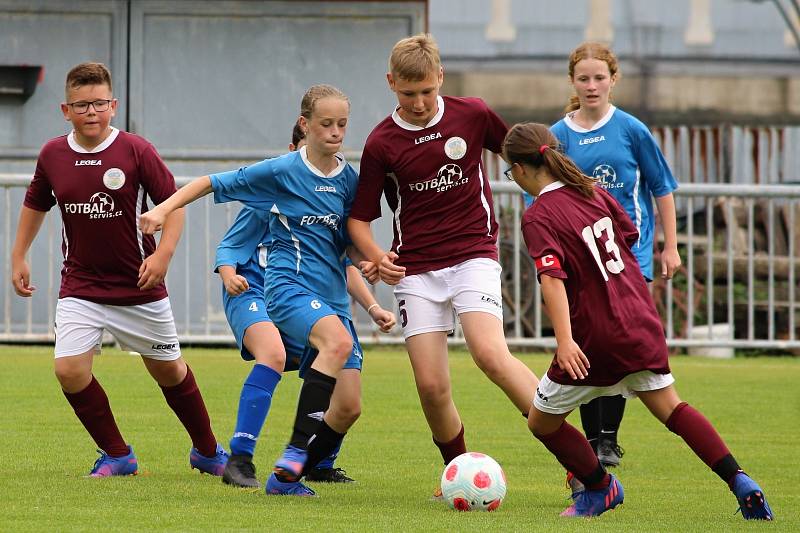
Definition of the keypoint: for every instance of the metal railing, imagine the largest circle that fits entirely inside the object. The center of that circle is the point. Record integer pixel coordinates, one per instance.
(737, 288)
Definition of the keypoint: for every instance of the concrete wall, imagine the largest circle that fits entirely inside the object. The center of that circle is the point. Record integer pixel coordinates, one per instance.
(683, 61)
(213, 84)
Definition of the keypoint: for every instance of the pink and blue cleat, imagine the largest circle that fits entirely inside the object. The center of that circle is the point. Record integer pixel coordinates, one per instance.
(209, 465)
(106, 466)
(290, 465)
(596, 502)
(290, 488)
(752, 501)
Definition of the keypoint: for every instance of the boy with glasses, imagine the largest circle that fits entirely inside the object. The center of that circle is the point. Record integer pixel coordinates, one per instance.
(113, 275)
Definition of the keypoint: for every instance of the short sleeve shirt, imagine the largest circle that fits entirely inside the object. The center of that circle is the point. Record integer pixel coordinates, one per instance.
(435, 184)
(307, 210)
(101, 195)
(586, 243)
(621, 153)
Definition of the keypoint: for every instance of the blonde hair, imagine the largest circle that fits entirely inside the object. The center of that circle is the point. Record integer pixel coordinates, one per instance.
(87, 74)
(415, 58)
(590, 50)
(535, 145)
(316, 93)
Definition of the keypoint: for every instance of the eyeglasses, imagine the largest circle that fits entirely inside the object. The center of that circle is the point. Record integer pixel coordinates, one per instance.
(508, 174)
(82, 107)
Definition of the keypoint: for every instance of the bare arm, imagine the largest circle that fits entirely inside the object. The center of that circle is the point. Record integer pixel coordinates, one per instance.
(361, 293)
(30, 221)
(670, 258)
(154, 220)
(358, 289)
(568, 354)
(154, 267)
(361, 234)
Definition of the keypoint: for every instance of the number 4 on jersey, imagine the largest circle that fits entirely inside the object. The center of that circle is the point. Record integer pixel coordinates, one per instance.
(591, 234)
(253, 306)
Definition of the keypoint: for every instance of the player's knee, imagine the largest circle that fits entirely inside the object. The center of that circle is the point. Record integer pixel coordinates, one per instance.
(434, 392)
(348, 412)
(535, 424)
(72, 378)
(340, 349)
(275, 359)
(491, 362)
(167, 373)
(532, 425)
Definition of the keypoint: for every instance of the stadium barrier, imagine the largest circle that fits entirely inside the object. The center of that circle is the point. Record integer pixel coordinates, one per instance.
(738, 283)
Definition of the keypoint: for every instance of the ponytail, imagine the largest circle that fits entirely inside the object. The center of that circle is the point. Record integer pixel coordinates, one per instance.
(534, 145)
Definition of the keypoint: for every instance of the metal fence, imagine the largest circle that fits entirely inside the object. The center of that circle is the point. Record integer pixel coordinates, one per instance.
(737, 287)
(739, 236)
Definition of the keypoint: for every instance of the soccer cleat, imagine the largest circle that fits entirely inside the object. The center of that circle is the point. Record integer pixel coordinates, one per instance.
(752, 501)
(209, 465)
(291, 488)
(609, 452)
(596, 502)
(290, 465)
(240, 472)
(574, 485)
(106, 466)
(328, 475)
(437, 495)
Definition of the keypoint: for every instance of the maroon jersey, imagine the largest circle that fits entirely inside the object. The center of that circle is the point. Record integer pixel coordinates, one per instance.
(101, 195)
(435, 184)
(586, 242)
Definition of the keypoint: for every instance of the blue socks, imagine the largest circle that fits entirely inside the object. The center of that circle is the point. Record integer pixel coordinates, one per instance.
(254, 406)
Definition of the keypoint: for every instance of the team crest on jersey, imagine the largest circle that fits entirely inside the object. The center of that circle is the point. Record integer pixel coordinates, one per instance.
(114, 178)
(606, 177)
(455, 147)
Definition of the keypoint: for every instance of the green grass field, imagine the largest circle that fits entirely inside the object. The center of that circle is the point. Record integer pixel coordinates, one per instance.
(754, 403)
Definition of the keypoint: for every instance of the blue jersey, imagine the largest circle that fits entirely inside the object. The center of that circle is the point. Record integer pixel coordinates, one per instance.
(621, 153)
(307, 216)
(244, 246)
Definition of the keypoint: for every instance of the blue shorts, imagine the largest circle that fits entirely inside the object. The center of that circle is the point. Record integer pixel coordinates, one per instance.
(249, 308)
(295, 311)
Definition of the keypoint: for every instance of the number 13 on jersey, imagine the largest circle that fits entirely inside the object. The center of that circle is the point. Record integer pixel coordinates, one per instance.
(591, 234)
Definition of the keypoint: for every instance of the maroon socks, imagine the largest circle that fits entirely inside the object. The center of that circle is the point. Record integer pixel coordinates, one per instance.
(703, 439)
(93, 410)
(575, 453)
(187, 402)
(452, 449)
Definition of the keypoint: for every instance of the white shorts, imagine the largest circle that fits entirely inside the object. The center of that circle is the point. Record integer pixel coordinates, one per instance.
(427, 302)
(557, 399)
(148, 329)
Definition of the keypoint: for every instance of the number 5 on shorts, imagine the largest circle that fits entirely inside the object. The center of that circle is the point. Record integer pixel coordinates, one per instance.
(403, 315)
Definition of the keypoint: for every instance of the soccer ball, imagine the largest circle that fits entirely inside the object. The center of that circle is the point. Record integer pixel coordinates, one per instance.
(473, 482)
